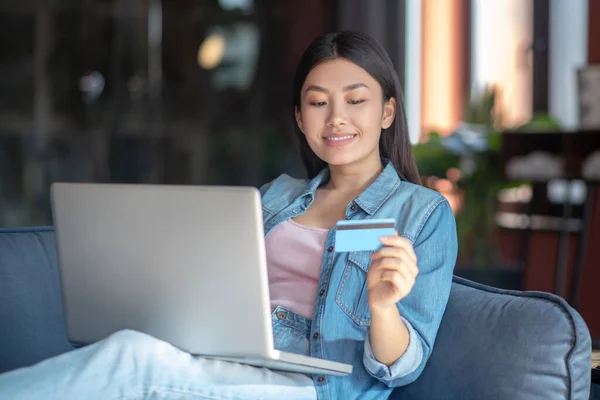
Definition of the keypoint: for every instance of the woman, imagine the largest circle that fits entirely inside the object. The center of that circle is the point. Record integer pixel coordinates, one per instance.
(378, 311)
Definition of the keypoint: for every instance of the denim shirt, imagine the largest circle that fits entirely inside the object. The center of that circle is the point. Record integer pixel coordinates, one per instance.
(339, 329)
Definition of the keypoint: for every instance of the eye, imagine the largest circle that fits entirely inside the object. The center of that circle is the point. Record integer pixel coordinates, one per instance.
(318, 103)
(356, 102)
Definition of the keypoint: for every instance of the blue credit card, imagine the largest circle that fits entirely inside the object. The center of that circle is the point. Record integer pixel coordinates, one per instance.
(362, 235)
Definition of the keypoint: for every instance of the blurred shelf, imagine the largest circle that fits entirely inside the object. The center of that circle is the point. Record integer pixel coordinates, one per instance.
(570, 147)
(543, 223)
(541, 157)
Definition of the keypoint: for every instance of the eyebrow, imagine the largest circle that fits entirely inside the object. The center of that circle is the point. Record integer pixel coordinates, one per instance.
(348, 88)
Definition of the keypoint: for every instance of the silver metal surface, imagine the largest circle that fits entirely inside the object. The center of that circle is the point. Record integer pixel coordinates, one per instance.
(185, 264)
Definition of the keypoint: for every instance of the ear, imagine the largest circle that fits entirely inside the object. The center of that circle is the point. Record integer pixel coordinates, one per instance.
(298, 114)
(389, 113)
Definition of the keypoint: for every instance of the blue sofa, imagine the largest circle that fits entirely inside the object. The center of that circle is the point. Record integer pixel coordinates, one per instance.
(492, 344)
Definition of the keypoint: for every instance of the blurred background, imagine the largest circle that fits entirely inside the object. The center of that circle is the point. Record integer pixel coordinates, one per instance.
(502, 98)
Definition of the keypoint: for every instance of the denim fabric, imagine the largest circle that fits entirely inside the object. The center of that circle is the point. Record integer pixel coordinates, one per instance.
(290, 331)
(341, 318)
(131, 365)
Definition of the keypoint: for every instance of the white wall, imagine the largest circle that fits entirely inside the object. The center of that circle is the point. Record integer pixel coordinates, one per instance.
(502, 33)
(568, 52)
(412, 57)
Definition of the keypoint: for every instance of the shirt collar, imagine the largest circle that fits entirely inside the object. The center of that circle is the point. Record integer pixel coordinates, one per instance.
(373, 197)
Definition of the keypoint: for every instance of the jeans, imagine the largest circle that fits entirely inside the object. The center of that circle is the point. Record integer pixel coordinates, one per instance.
(132, 365)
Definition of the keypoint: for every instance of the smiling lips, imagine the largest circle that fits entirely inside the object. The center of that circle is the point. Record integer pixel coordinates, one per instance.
(339, 140)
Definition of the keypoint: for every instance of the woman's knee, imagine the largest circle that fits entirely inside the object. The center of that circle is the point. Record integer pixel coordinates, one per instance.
(130, 340)
(145, 355)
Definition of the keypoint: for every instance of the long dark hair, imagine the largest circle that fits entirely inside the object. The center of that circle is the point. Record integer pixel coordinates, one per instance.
(368, 54)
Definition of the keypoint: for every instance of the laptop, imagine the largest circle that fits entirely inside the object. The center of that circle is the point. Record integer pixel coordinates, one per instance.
(185, 264)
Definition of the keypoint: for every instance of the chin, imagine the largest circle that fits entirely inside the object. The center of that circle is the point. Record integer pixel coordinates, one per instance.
(341, 159)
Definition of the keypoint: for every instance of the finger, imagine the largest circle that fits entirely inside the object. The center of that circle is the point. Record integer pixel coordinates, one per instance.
(392, 252)
(407, 270)
(401, 279)
(390, 275)
(387, 263)
(378, 267)
(399, 242)
(401, 283)
(397, 262)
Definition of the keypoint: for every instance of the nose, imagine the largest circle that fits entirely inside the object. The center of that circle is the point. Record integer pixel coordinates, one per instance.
(337, 116)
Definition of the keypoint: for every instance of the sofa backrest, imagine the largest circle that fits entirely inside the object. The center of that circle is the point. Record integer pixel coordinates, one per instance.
(31, 316)
(501, 344)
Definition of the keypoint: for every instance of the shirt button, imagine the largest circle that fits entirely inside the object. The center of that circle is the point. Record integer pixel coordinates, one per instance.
(321, 379)
(330, 249)
(316, 335)
(322, 292)
(295, 211)
(353, 207)
(281, 315)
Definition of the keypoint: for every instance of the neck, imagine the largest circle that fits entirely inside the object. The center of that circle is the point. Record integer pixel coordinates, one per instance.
(354, 178)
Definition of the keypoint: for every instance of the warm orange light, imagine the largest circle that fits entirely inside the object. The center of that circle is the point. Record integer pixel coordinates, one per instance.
(442, 64)
(211, 51)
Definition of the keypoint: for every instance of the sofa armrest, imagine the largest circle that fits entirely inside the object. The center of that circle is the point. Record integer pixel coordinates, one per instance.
(502, 344)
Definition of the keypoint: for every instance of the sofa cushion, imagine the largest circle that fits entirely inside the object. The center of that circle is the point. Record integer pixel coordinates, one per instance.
(32, 322)
(501, 344)
(595, 392)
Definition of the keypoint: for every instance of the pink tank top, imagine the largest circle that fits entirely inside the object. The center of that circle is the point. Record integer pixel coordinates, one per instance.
(294, 256)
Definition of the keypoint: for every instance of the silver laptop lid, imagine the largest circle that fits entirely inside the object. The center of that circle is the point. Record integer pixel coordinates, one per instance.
(184, 264)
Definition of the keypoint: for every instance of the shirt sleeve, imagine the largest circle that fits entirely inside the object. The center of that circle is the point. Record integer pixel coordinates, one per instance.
(263, 189)
(406, 364)
(422, 310)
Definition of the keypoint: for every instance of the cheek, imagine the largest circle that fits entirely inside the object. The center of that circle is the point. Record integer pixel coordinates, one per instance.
(312, 120)
(369, 118)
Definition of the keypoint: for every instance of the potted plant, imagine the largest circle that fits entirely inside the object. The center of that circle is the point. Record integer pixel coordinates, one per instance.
(469, 160)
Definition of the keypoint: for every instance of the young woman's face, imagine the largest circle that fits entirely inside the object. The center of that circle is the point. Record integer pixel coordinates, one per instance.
(342, 113)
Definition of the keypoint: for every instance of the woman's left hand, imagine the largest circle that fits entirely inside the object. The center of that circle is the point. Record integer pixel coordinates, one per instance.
(392, 273)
